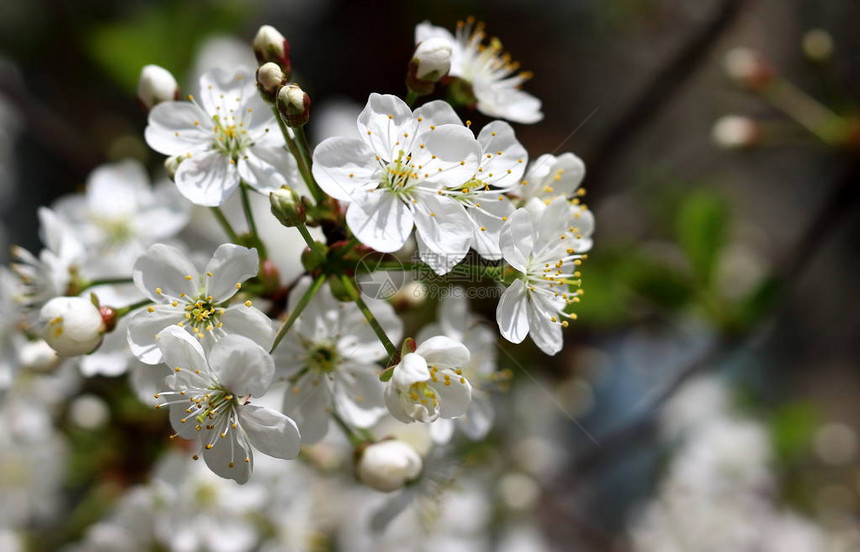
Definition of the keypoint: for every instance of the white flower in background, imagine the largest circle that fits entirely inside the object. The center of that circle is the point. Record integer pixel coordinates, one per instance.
(33, 460)
(429, 383)
(227, 134)
(388, 465)
(538, 246)
(155, 85)
(195, 510)
(209, 399)
(73, 325)
(330, 358)
(120, 215)
(489, 71)
(48, 275)
(196, 302)
(8, 328)
(458, 323)
(394, 178)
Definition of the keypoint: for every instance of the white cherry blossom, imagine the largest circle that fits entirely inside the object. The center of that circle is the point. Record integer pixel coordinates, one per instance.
(330, 358)
(227, 134)
(488, 69)
(48, 275)
(120, 215)
(538, 245)
(197, 303)
(395, 178)
(209, 396)
(456, 321)
(429, 383)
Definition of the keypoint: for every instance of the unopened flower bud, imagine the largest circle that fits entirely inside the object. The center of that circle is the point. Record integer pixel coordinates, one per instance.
(287, 207)
(271, 46)
(73, 325)
(270, 79)
(433, 59)
(156, 85)
(294, 105)
(748, 68)
(736, 132)
(171, 165)
(431, 62)
(388, 465)
(818, 45)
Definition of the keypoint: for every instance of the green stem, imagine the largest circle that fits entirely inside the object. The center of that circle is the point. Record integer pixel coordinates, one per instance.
(371, 319)
(807, 111)
(411, 98)
(225, 224)
(120, 312)
(354, 439)
(106, 282)
(252, 226)
(304, 146)
(303, 302)
(304, 168)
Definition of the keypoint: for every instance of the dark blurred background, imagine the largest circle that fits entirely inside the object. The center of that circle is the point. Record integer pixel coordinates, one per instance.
(634, 87)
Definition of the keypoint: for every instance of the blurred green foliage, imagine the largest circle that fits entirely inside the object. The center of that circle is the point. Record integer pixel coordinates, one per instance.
(166, 34)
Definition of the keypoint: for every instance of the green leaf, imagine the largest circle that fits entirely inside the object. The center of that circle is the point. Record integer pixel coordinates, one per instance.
(792, 427)
(758, 302)
(658, 283)
(702, 226)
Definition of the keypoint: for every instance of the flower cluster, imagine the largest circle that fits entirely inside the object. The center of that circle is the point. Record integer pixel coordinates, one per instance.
(262, 338)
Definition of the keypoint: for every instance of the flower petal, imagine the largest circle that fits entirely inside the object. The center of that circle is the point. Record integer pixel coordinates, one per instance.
(162, 272)
(444, 230)
(344, 165)
(172, 129)
(270, 432)
(383, 123)
(249, 322)
(455, 395)
(511, 313)
(267, 168)
(380, 220)
(358, 395)
(517, 239)
(437, 112)
(207, 179)
(307, 402)
(489, 219)
(444, 351)
(241, 366)
(230, 266)
(181, 351)
(144, 326)
(479, 419)
(230, 457)
(412, 369)
(450, 157)
(545, 333)
(442, 430)
(503, 158)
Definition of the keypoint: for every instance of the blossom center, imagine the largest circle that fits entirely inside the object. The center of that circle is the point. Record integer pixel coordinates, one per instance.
(399, 175)
(231, 136)
(323, 358)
